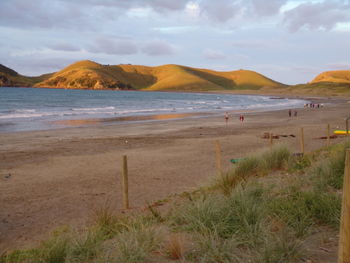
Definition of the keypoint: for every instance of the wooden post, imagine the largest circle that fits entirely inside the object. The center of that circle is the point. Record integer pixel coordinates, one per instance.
(271, 140)
(124, 181)
(302, 145)
(328, 135)
(344, 237)
(218, 157)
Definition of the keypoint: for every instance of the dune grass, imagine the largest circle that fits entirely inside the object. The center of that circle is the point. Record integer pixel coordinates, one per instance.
(259, 164)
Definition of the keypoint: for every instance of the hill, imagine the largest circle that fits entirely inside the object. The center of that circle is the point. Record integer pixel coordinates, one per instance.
(10, 78)
(329, 83)
(90, 75)
(336, 76)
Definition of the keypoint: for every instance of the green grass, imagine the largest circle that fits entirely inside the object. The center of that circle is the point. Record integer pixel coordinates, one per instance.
(132, 246)
(256, 165)
(241, 214)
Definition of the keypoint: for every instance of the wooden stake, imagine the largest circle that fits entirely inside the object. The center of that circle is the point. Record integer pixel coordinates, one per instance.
(302, 145)
(218, 157)
(124, 180)
(328, 135)
(271, 140)
(344, 237)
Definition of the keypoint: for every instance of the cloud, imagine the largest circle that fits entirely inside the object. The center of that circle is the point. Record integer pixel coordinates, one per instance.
(158, 48)
(338, 66)
(170, 5)
(158, 5)
(213, 54)
(113, 46)
(81, 14)
(219, 10)
(250, 44)
(316, 16)
(63, 47)
(267, 8)
(42, 14)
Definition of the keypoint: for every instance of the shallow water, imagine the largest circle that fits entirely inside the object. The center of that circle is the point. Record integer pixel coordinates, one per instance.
(23, 109)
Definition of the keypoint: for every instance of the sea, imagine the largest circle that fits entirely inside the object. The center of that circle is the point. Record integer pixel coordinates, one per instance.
(29, 109)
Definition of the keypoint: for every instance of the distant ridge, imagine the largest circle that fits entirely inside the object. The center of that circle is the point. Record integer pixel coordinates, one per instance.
(10, 78)
(91, 75)
(336, 76)
(87, 74)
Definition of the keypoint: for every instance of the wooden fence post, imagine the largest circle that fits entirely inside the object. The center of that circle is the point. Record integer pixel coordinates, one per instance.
(302, 145)
(344, 237)
(271, 140)
(328, 135)
(218, 157)
(124, 181)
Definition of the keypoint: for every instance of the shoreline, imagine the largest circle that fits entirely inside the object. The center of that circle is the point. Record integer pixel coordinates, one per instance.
(18, 125)
(61, 176)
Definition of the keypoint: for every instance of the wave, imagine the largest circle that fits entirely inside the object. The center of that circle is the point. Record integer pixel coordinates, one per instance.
(93, 109)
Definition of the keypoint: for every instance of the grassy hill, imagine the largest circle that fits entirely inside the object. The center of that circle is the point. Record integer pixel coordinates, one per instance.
(10, 78)
(90, 75)
(329, 83)
(87, 74)
(337, 76)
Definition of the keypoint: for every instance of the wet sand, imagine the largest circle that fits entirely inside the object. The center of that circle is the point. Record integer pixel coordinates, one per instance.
(62, 176)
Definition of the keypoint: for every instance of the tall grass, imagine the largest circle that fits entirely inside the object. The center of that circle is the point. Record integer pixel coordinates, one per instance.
(277, 248)
(211, 248)
(132, 246)
(240, 214)
(259, 164)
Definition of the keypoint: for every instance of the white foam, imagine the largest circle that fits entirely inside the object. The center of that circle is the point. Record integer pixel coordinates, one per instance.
(94, 109)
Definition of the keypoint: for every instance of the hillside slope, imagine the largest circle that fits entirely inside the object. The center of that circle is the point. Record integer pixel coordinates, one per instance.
(90, 75)
(336, 76)
(10, 78)
(329, 83)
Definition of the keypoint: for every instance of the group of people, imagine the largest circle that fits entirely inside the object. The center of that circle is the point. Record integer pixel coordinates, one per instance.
(241, 117)
(313, 105)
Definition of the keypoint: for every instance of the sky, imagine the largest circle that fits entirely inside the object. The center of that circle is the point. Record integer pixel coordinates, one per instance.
(290, 41)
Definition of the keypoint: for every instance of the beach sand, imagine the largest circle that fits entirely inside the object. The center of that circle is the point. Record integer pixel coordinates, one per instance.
(62, 176)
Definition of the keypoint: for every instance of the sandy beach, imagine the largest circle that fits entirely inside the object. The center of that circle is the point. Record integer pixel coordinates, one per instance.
(60, 177)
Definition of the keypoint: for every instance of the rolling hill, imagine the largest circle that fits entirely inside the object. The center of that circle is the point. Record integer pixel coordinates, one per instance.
(329, 83)
(336, 76)
(90, 75)
(10, 78)
(87, 74)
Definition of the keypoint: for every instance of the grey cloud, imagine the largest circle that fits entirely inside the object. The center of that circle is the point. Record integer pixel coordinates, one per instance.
(213, 54)
(317, 16)
(160, 5)
(249, 44)
(220, 10)
(81, 14)
(113, 46)
(63, 47)
(338, 66)
(40, 13)
(158, 48)
(267, 8)
(125, 4)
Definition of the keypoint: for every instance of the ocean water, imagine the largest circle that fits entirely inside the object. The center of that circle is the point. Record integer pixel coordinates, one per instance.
(24, 109)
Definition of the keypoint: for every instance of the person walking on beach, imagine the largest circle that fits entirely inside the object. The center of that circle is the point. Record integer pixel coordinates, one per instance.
(226, 117)
(290, 113)
(241, 118)
(295, 113)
